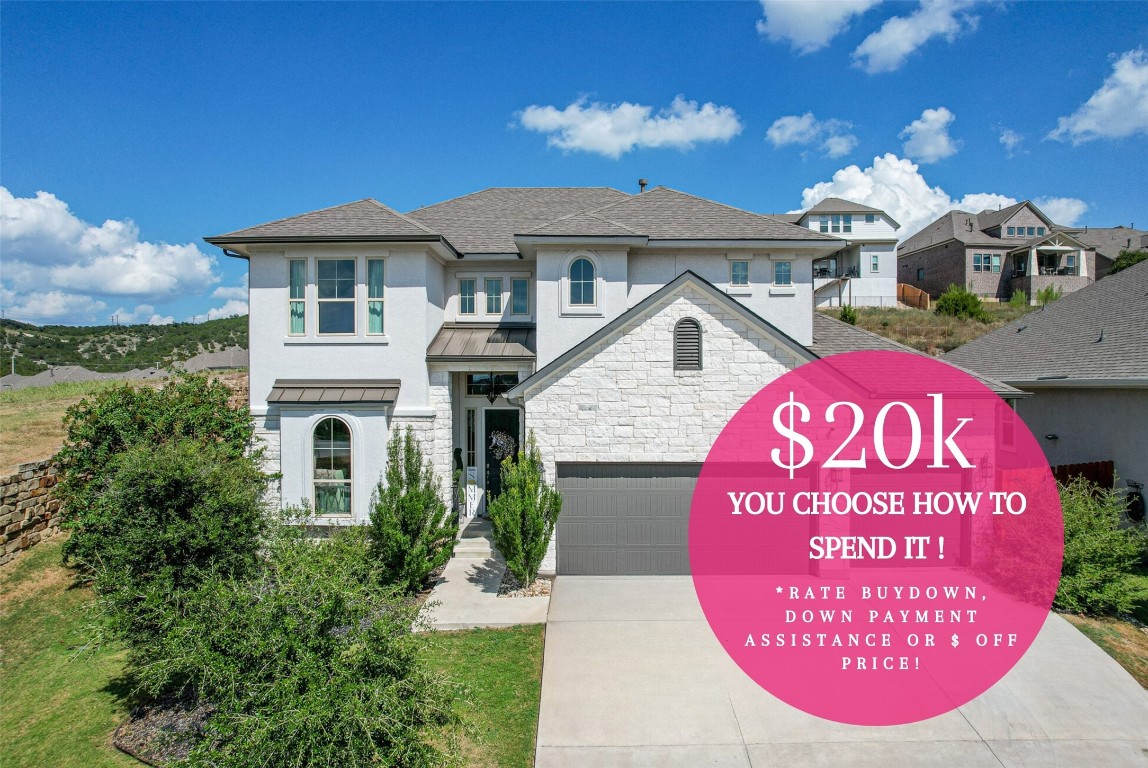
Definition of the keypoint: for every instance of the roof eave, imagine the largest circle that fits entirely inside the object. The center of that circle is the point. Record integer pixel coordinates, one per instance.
(1071, 383)
(226, 242)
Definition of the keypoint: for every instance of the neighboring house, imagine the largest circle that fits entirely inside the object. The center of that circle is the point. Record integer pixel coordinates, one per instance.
(998, 253)
(1109, 241)
(1084, 359)
(864, 272)
(622, 330)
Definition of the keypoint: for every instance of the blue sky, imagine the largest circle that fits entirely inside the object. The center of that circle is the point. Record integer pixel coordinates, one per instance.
(147, 126)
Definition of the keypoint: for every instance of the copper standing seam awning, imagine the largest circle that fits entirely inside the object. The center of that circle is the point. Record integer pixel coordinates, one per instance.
(305, 391)
(482, 341)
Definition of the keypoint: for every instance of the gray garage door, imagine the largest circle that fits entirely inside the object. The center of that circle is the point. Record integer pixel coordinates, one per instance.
(625, 519)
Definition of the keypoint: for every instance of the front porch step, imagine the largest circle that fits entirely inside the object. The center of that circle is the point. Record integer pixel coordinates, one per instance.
(475, 541)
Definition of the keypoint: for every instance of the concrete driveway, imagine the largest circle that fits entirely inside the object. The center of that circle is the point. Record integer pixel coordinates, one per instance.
(634, 677)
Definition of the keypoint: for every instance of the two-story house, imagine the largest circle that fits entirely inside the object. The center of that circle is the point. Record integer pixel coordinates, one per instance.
(622, 330)
(864, 272)
(998, 253)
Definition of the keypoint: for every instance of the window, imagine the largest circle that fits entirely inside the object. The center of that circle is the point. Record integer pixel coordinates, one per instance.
(920, 273)
(374, 296)
(520, 297)
(782, 273)
(1012, 231)
(480, 383)
(847, 222)
(996, 262)
(824, 221)
(977, 262)
(836, 219)
(1040, 231)
(297, 303)
(870, 218)
(494, 296)
(582, 283)
(739, 273)
(1032, 231)
(471, 437)
(336, 295)
(331, 448)
(1070, 262)
(688, 345)
(1020, 265)
(874, 263)
(466, 296)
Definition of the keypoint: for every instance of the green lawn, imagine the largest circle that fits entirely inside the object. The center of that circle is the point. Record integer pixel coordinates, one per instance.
(59, 709)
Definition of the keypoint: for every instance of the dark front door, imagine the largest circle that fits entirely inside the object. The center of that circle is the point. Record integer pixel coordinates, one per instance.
(500, 438)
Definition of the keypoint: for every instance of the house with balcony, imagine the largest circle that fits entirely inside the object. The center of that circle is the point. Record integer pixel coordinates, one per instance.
(864, 272)
(623, 331)
(998, 253)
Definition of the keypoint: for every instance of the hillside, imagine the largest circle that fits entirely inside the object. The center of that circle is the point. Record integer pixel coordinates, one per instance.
(926, 330)
(108, 348)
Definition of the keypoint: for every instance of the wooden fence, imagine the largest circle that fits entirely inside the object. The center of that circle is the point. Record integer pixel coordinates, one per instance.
(1103, 473)
(912, 296)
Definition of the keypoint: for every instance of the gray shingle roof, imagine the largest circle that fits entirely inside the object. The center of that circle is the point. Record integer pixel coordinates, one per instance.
(1098, 332)
(833, 337)
(1108, 241)
(954, 225)
(486, 221)
(841, 205)
(667, 214)
(362, 218)
(788, 218)
(988, 219)
(587, 224)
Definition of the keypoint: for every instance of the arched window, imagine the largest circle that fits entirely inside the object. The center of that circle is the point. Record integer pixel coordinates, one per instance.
(582, 283)
(331, 448)
(688, 345)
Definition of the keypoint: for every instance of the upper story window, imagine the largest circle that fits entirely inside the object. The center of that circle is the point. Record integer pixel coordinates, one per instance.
(874, 263)
(1032, 231)
(870, 218)
(823, 222)
(466, 296)
(519, 297)
(847, 222)
(494, 296)
(297, 297)
(978, 261)
(1011, 231)
(582, 283)
(1040, 231)
(375, 296)
(782, 273)
(331, 457)
(688, 345)
(336, 296)
(920, 273)
(739, 273)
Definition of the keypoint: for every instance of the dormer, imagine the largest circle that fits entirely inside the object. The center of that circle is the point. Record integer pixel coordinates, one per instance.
(1022, 221)
(848, 220)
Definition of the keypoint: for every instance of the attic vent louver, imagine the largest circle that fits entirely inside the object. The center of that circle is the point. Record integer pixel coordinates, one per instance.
(688, 345)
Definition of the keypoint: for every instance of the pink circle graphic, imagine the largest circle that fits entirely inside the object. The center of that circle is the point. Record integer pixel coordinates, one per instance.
(876, 538)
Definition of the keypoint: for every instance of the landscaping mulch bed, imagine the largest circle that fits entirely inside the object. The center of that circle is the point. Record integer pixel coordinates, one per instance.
(163, 733)
(511, 588)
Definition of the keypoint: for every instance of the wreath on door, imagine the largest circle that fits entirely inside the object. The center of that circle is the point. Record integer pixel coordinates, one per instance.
(502, 445)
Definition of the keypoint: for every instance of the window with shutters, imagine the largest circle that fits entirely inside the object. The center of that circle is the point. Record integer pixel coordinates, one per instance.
(688, 345)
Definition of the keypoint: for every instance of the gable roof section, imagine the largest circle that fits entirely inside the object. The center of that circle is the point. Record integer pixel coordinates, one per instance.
(486, 221)
(366, 219)
(667, 214)
(954, 225)
(1108, 241)
(1024, 245)
(645, 307)
(988, 219)
(1093, 337)
(833, 337)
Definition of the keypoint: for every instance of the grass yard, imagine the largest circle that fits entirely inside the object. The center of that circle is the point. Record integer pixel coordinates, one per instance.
(926, 330)
(59, 708)
(31, 419)
(1125, 641)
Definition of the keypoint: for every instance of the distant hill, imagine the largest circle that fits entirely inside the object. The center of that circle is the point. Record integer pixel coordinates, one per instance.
(113, 347)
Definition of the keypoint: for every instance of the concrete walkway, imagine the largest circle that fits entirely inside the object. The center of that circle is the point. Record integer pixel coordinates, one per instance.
(467, 595)
(633, 676)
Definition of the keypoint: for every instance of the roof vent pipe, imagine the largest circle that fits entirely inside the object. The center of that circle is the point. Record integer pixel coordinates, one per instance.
(642, 185)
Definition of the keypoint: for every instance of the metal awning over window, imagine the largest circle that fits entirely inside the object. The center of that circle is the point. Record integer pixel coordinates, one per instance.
(305, 391)
(482, 341)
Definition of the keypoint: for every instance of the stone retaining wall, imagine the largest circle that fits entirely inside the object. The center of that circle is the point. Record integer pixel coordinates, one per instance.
(28, 512)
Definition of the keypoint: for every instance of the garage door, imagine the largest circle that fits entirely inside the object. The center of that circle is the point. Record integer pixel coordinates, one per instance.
(625, 519)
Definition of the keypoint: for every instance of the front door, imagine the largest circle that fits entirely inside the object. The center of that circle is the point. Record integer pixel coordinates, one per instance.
(500, 439)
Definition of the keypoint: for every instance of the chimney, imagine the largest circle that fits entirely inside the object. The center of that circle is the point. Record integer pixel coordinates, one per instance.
(642, 185)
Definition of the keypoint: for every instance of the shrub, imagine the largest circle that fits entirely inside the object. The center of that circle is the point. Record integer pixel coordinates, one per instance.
(412, 533)
(523, 516)
(121, 418)
(1048, 294)
(1100, 553)
(848, 314)
(308, 661)
(1127, 259)
(961, 302)
(1018, 299)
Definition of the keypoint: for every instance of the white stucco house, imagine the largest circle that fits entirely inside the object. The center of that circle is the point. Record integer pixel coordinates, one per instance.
(623, 330)
(864, 272)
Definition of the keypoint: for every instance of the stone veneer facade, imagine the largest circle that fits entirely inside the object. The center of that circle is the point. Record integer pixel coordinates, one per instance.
(28, 512)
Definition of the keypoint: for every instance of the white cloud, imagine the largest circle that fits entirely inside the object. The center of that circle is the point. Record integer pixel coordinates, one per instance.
(808, 26)
(143, 313)
(615, 129)
(1062, 210)
(230, 308)
(895, 185)
(830, 135)
(886, 49)
(927, 137)
(55, 264)
(1011, 140)
(230, 292)
(1117, 110)
(44, 307)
